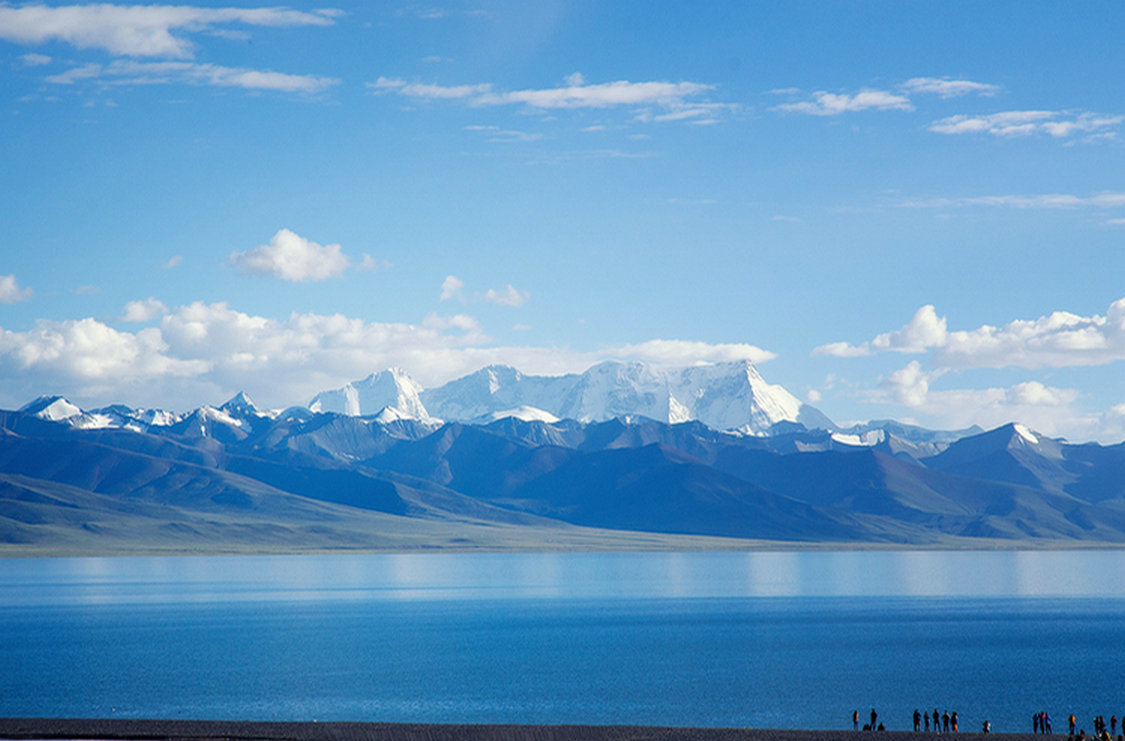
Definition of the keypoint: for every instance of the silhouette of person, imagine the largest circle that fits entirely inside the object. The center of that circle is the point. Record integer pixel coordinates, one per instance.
(917, 720)
(874, 716)
(855, 720)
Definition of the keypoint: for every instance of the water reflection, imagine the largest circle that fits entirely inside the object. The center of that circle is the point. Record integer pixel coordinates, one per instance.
(563, 576)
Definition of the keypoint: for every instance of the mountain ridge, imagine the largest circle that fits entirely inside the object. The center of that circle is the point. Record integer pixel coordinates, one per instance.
(236, 477)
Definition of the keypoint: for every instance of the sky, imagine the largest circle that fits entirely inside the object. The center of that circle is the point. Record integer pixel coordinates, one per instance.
(896, 210)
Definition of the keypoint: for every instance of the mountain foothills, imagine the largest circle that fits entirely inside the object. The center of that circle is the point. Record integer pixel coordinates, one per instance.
(623, 456)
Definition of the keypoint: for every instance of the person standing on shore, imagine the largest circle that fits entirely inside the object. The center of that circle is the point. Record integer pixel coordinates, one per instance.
(855, 720)
(937, 722)
(874, 717)
(917, 720)
(953, 720)
(1046, 722)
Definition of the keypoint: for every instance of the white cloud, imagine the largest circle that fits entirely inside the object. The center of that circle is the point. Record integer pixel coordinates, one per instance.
(10, 291)
(833, 104)
(291, 257)
(679, 100)
(1059, 339)
(909, 386)
(925, 330)
(87, 350)
(34, 60)
(369, 264)
(138, 30)
(452, 288)
(1042, 200)
(126, 72)
(947, 88)
(435, 92)
(988, 407)
(201, 353)
(173, 261)
(510, 296)
(1058, 124)
(497, 134)
(686, 352)
(843, 350)
(1056, 340)
(1046, 409)
(143, 311)
(814, 396)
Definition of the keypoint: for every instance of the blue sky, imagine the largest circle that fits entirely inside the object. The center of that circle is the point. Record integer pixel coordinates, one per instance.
(909, 210)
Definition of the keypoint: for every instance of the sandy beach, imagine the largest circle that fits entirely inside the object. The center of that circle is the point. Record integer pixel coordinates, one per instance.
(137, 730)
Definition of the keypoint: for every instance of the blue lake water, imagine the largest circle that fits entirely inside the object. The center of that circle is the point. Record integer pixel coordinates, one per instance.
(783, 640)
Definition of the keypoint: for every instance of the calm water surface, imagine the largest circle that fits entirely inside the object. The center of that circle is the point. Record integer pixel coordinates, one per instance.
(727, 639)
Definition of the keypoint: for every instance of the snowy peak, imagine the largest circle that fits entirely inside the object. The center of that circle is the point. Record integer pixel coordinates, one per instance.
(207, 421)
(390, 389)
(53, 408)
(523, 413)
(724, 396)
(115, 416)
(240, 405)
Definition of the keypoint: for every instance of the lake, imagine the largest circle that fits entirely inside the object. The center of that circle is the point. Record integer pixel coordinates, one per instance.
(784, 640)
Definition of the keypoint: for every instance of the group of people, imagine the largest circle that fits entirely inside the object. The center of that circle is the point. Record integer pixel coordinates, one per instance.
(945, 722)
(1100, 729)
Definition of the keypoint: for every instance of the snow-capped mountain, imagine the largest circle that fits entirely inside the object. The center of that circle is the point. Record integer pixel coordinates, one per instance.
(54, 408)
(391, 389)
(59, 409)
(724, 396)
(240, 405)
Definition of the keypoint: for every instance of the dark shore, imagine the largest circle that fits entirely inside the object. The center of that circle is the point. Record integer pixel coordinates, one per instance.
(142, 730)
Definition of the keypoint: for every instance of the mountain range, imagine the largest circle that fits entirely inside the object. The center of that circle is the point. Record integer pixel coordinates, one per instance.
(625, 455)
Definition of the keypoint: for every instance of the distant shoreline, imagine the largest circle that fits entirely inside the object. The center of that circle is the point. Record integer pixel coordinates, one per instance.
(159, 730)
(677, 544)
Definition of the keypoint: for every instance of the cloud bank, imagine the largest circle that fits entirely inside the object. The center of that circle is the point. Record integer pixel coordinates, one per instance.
(138, 30)
(202, 353)
(1056, 340)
